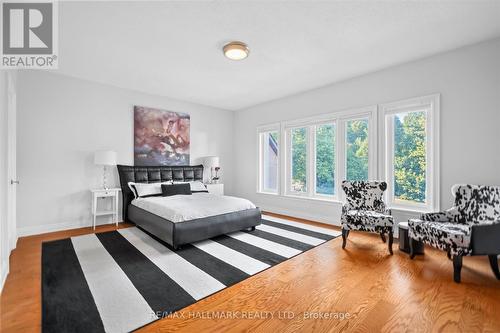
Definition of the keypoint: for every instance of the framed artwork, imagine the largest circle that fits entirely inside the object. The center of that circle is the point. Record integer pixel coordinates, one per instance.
(160, 137)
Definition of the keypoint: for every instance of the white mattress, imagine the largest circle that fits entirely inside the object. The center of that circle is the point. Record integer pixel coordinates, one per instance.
(179, 208)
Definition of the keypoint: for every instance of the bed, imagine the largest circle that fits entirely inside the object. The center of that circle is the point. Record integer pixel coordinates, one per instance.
(178, 227)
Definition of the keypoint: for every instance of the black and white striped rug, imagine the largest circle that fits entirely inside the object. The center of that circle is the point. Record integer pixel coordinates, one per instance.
(121, 280)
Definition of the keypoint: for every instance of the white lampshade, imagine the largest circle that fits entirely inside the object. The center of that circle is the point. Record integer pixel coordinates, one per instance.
(211, 161)
(105, 157)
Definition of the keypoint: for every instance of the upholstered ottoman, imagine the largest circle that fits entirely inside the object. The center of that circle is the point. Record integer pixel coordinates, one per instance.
(404, 240)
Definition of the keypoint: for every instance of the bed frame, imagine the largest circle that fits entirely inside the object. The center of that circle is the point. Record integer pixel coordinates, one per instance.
(177, 234)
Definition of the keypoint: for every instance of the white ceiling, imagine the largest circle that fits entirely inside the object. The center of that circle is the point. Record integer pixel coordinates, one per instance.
(174, 48)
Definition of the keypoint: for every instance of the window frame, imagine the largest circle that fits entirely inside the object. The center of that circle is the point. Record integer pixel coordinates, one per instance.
(276, 127)
(313, 161)
(431, 104)
(339, 119)
(371, 116)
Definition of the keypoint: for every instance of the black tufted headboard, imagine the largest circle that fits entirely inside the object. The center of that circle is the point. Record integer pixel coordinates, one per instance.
(149, 174)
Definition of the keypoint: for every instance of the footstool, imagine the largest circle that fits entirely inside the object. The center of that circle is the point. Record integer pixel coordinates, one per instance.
(404, 240)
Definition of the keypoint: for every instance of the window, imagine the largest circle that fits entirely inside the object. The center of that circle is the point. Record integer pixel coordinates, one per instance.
(269, 161)
(322, 151)
(411, 154)
(356, 147)
(299, 159)
(325, 159)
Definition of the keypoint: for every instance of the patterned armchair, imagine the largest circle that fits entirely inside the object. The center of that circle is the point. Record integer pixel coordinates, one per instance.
(471, 227)
(365, 210)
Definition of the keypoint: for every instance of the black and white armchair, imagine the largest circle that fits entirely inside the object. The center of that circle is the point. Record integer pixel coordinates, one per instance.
(471, 227)
(365, 210)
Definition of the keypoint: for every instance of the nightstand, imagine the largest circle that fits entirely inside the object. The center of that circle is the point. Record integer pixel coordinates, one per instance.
(217, 189)
(113, 195)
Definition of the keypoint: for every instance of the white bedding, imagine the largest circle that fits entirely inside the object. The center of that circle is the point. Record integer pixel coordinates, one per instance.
(179, 208)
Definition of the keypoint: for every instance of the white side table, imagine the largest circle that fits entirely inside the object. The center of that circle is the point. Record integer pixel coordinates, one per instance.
(113, 194)
(217, 189)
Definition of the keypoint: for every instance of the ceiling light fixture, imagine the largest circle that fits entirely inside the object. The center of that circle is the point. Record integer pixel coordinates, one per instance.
(236, 50)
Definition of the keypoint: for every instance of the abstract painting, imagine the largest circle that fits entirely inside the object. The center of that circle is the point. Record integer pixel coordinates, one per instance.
(160, 137)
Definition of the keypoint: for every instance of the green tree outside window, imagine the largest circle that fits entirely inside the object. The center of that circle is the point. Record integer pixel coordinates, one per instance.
(357, 149)
(299, 155)
(325, 159)
(410, 156)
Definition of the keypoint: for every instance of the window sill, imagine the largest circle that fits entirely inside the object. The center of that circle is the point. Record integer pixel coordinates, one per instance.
(418, 210)
(268, 193)
(317, 199)
(302, 198)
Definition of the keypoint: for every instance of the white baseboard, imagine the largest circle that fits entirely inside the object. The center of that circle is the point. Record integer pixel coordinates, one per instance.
(302, 215)
(327, 219)
(45, 228)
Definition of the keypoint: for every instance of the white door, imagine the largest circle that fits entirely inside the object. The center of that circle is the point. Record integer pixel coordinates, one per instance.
(11, 160)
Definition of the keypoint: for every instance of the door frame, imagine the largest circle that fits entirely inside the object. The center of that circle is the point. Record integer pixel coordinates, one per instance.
(11, 159)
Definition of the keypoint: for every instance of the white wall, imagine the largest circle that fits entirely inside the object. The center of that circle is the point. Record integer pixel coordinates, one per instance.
(62, 121)
(468, 80)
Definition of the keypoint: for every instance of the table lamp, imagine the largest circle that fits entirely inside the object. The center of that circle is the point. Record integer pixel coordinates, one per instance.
(105, 158)
(211, 162)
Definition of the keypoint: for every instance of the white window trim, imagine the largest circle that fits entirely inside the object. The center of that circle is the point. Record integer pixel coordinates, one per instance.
(339, 118)
(371, 115)
(432, 103)
(276, 127)
(312, 162)
(376, 115)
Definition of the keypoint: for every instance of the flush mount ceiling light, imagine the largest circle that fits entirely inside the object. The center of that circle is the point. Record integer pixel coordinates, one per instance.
(236, 50)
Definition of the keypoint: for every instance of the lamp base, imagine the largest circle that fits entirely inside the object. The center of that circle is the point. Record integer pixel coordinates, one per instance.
(104, 179)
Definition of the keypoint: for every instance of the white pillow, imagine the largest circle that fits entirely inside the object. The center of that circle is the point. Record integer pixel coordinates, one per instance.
(196, 186)
(146, 190)
(131, 186)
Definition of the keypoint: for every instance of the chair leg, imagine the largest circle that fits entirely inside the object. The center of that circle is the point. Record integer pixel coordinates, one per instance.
(412, 250)
(382, 235)
(391, 240)
(345, 234)
(494, 265)
(457, 268)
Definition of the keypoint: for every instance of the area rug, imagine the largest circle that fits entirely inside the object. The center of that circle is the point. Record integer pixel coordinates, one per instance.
(121, 280)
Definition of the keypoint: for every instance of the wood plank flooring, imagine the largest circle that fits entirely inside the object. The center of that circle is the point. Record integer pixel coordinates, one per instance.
(379, 292)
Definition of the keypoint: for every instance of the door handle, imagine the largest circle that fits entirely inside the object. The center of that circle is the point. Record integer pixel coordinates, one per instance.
(12, 182)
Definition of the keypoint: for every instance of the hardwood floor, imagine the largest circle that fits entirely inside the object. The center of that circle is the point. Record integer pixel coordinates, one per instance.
(379, 292)
(20, 303)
